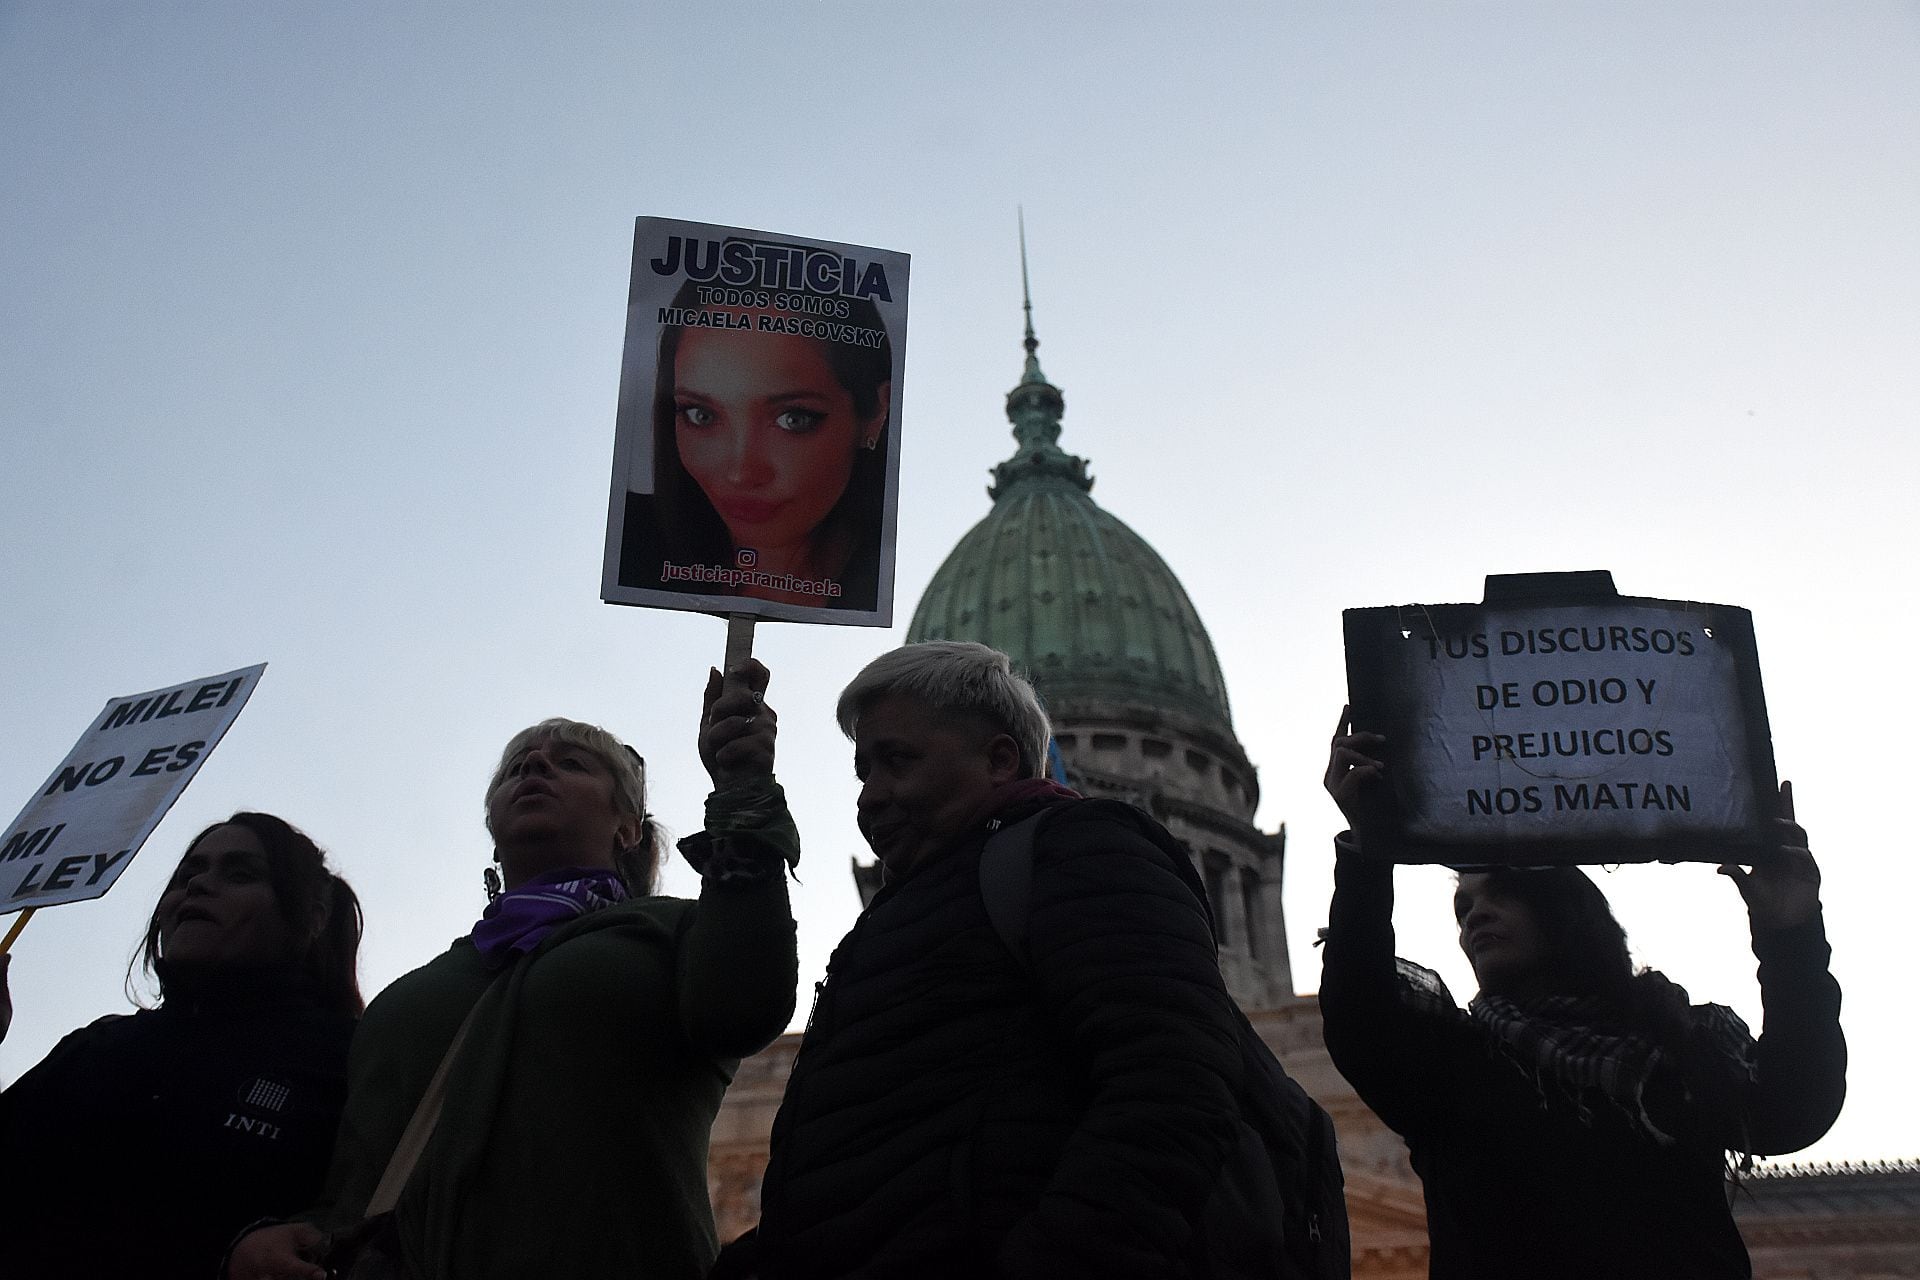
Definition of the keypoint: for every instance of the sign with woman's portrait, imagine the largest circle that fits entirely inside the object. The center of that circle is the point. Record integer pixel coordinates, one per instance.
(756, 454)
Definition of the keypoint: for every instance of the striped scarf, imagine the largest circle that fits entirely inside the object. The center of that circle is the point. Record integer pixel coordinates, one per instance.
(1580, 1052)
(520, 918)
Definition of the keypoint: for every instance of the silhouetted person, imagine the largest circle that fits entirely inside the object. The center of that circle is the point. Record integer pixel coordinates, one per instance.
(953, 1112)
(1574, 1121)
(607, 1022)
(145, 1142)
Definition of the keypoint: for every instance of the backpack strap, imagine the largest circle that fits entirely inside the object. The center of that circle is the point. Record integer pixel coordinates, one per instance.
(413, 1139)
(1006, 881)
(1006, 869)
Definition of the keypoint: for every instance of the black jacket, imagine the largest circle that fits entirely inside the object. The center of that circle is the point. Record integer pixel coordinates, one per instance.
(950, 1114)
(144, 1142)
(1518, 1187)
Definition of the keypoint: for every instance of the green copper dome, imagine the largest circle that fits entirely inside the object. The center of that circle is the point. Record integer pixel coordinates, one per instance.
(1080, 602)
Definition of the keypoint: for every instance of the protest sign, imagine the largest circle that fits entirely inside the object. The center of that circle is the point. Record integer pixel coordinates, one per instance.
(757, 443)
(91, 816)
(1560, 722)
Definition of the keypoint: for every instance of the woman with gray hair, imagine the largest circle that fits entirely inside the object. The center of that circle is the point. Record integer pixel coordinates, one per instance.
(597, 1026)
(966, 1102)
(961, 679)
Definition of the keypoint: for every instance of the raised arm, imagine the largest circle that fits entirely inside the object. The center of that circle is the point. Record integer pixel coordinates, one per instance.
(739, 962)
(1380, 1043)
(1800, 1076)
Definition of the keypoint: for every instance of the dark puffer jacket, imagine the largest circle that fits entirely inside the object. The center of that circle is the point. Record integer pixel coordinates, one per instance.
(950, 1114)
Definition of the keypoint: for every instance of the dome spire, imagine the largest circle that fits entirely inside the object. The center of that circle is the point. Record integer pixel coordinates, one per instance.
(1035, 407)
(1031, 343)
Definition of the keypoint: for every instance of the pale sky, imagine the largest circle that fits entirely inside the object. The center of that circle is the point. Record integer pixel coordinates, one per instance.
(310, 334)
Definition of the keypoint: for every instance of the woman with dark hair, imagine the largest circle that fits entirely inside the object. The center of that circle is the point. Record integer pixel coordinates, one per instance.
(145, 1142)
(588, 1028)
(770, 452)
(1575, 1120)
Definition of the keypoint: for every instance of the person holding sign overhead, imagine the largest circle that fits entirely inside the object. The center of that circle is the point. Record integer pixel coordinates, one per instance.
(1575, 1120)
(536, 1101)
(770, 449)
(145, 1142)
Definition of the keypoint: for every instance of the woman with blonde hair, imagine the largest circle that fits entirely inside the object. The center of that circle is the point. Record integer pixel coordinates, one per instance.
(602, 1023)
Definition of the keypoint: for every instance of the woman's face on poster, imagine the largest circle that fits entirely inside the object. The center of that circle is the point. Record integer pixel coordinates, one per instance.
(766, 430)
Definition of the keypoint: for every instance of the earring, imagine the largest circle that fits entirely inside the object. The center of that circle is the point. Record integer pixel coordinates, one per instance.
(490, 878)
(870, 443)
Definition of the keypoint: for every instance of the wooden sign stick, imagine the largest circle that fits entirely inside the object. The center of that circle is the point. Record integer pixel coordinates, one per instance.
(739, 641)
(6, 943)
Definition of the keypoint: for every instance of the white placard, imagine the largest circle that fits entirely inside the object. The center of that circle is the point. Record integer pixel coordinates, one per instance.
(85, 823)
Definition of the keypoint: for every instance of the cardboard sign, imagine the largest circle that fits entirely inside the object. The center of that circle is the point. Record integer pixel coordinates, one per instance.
(89, 818)
(757, 448)
(1560, 722)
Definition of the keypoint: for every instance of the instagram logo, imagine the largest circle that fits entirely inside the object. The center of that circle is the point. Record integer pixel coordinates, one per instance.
(746, 558)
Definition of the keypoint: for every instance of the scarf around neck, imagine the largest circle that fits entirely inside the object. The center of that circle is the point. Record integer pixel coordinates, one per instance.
(1579, 1052)
(520, 919)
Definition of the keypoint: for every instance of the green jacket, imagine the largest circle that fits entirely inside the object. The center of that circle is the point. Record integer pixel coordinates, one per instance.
(574, 1138)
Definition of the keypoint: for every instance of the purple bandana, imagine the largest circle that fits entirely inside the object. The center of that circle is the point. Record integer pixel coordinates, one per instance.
(518, 919)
